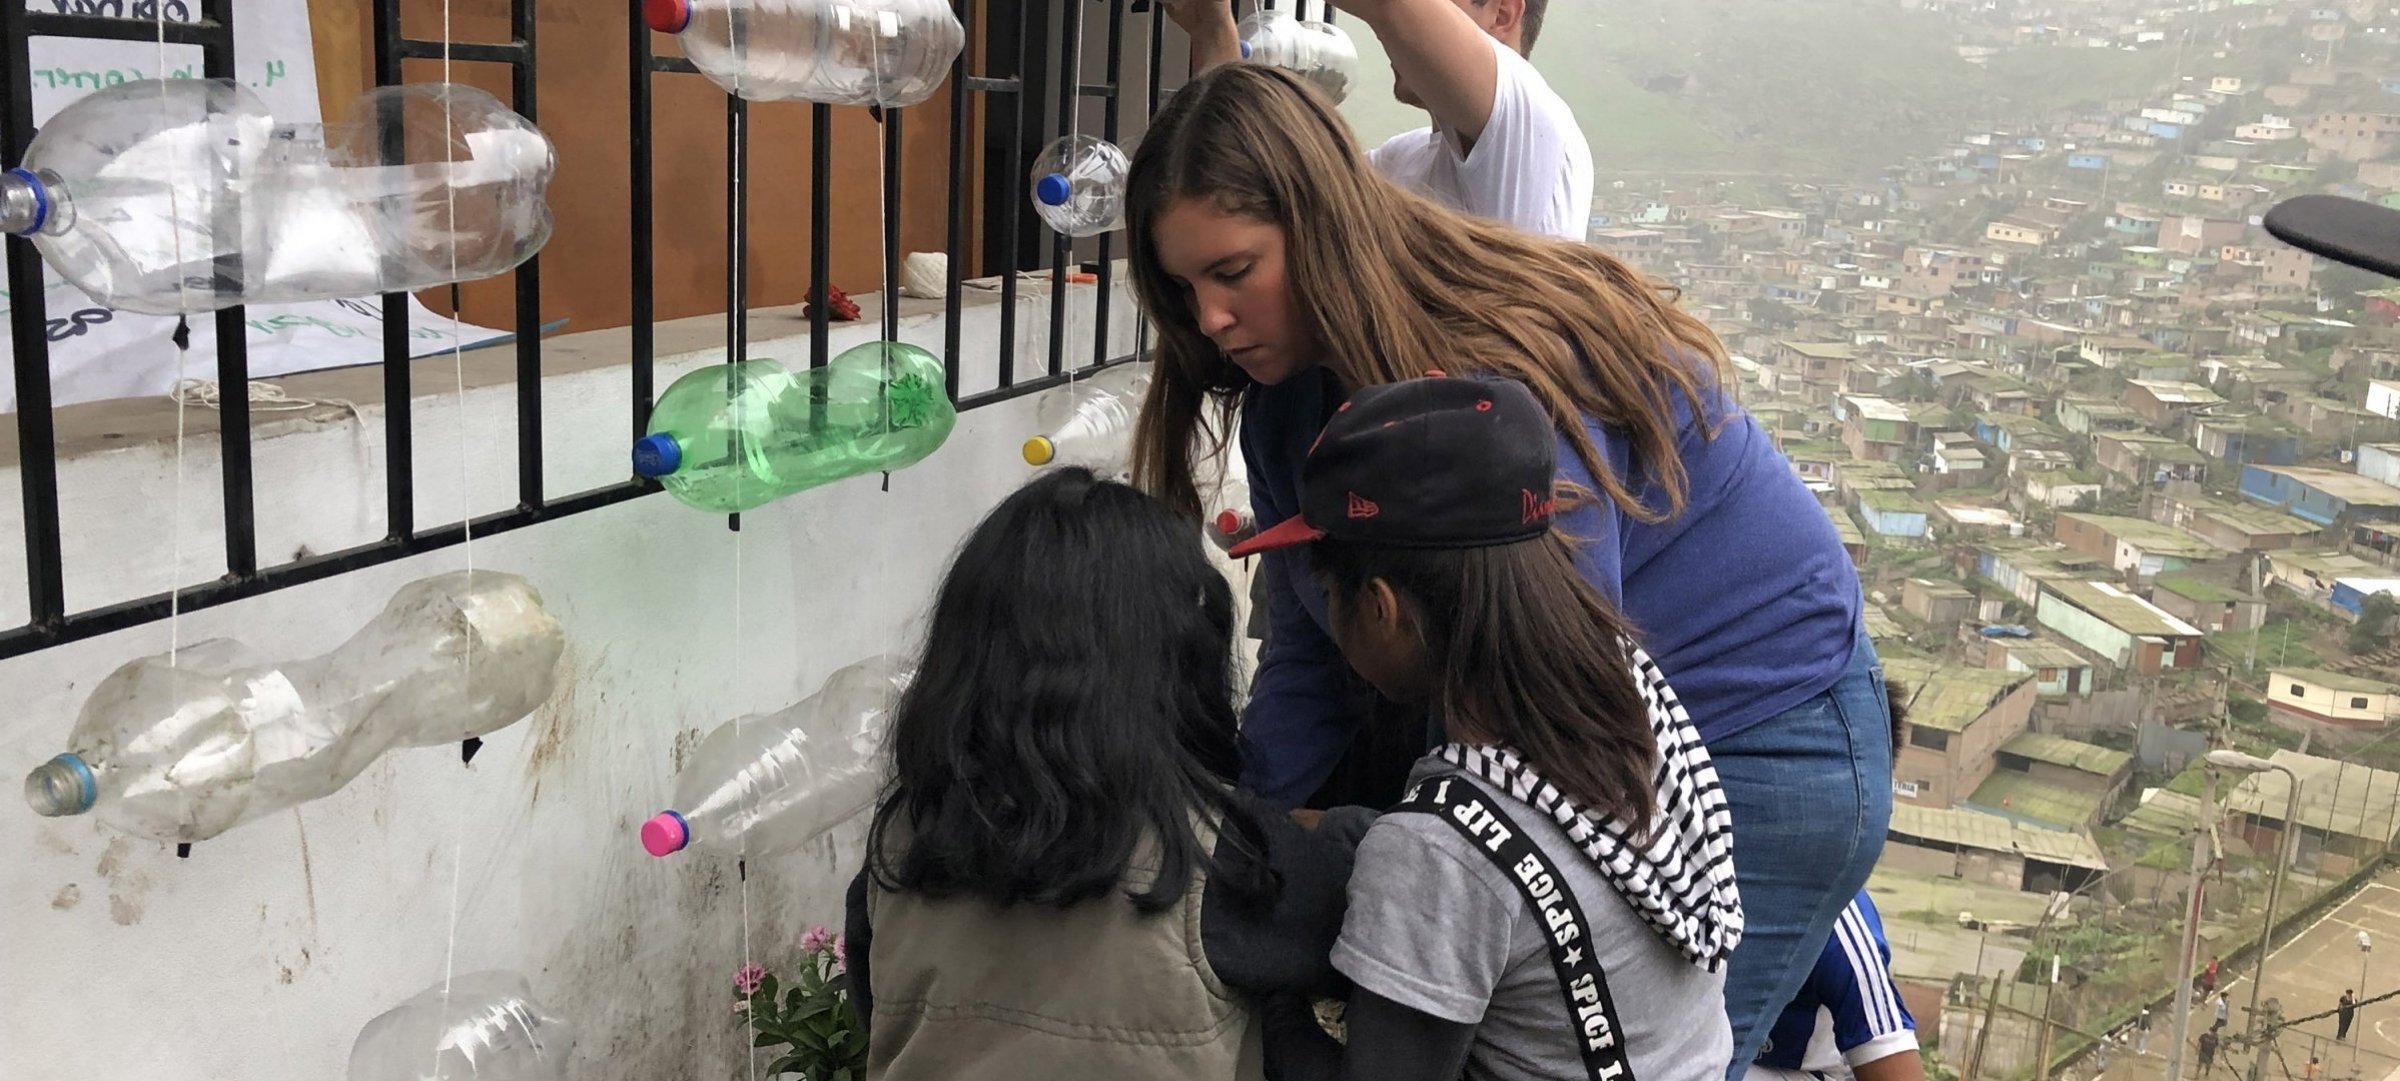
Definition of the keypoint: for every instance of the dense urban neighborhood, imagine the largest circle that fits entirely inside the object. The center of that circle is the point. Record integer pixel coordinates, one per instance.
(2122, 474)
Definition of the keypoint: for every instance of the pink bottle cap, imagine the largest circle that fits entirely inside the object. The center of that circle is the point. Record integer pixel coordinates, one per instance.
(665, 834)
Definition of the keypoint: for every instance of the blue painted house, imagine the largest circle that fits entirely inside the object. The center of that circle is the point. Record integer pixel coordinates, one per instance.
(2087, 161)
(2323, 496)
(1891, 514)
(2247, 439)
(2165, 129)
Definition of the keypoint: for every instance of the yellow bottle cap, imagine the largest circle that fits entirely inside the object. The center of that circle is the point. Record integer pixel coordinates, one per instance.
(1039, 450)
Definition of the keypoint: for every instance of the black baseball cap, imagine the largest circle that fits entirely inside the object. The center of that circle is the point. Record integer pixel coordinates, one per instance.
(2361, 234)
(1437, 462)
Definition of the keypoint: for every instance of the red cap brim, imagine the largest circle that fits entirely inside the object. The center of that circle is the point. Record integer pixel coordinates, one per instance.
(1292, 532)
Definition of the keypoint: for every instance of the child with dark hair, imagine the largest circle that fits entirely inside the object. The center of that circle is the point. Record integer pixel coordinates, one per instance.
(1555, 897)
(1061, 880)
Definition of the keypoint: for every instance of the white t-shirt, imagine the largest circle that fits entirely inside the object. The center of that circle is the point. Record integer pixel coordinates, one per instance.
(1531, 167)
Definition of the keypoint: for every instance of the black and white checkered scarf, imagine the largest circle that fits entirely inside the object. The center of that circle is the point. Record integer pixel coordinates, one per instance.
(1681, 879)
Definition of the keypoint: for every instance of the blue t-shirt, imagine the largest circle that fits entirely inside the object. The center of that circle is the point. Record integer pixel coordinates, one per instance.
(1746, 600)
(1848, 1013)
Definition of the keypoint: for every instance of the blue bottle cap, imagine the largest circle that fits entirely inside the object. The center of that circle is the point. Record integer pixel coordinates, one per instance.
(656, 455)
(1245, 50)
(1053, 190)
(41, 199)
(87, 787)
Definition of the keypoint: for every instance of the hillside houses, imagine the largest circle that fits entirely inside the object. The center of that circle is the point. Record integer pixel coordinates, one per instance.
(2072, 411)
(2123, 630)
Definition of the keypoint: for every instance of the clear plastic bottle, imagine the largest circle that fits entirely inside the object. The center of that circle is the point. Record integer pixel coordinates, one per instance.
(1090, 421)
(486, 1027)
(890, 53)
(1319, 52)
(184, 752)
(774, 783)
(731, 437)
(1079, 185)
(167, 196)
(1333, 59)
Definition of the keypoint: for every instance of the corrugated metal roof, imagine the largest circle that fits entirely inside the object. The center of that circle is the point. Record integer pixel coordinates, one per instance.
(1953, 701)
(1992, 833)
(2335, 796)
(2348, 487)
(2063, 806)
(2061, 751)
(2122, 610)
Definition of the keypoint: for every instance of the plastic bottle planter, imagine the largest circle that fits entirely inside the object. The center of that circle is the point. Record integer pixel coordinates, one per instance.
(734, 436)
(1319, 52)
(185, 753)
(1079, 186)
(887, 53)
(185, 195)
(774, 783)
(486, 1027)
(1090, 422)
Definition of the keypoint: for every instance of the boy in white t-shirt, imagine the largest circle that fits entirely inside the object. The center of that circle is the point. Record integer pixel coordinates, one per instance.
(1502, 144)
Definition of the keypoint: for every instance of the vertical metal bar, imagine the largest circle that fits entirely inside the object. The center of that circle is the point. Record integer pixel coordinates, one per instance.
(641, 187)
(1158, 50)
(1012, 204)
(956, 242)
(233, 359)
(891, 223)
(29, 330)
(1108, 126)
(399, 438)
(737, 229)
(737, 252)
(1070, 98)
(820, 234)
(529, 282)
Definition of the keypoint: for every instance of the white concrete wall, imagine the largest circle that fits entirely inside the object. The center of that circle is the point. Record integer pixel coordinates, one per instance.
(260, 956)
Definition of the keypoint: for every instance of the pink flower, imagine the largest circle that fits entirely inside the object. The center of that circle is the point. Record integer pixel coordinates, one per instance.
(748, 977)
(841, 954)
(815, 939)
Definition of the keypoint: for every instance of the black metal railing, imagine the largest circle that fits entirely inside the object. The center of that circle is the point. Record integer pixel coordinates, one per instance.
(1012, 140)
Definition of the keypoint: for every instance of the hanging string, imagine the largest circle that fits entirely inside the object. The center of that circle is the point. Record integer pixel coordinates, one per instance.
(466, 508)
(737, 296)
(742, 886)
(182, 341)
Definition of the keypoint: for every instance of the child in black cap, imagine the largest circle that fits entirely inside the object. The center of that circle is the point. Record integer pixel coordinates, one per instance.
(1555, 898)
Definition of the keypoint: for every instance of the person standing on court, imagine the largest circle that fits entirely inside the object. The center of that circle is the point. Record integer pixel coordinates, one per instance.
(1501, 145)
(2344, 1014)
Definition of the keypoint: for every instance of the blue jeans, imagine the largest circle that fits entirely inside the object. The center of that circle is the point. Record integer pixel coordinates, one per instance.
(1810, 790)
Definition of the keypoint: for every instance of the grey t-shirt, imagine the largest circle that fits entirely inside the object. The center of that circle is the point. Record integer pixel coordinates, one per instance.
(1435, 927)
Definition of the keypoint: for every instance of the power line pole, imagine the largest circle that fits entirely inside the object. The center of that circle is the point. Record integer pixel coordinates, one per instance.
(2178, 1028)
(1983, 1035)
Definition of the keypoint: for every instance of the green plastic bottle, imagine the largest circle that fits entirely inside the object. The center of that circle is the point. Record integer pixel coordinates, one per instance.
(734, 436)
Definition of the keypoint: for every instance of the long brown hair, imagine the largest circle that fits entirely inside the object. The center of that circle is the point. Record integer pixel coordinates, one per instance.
(1525, 653)
(1396, 286)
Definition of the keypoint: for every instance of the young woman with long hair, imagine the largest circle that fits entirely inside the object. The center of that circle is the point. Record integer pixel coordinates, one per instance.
(1061, 880)
(1283, 273)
